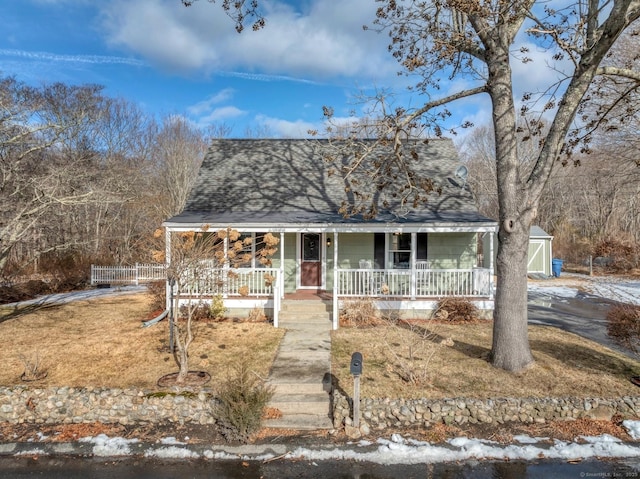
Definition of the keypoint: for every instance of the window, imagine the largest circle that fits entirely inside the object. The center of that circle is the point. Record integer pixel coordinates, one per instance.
(400, 250)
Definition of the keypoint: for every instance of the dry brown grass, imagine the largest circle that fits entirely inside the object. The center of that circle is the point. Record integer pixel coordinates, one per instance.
(101, 343)
(454, 363)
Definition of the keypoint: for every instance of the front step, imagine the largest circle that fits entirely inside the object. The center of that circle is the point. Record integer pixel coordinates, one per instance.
(300, 422)
(301, 366)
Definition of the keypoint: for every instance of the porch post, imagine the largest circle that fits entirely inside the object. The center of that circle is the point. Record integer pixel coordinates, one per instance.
(491, 265)
(281, 279)
(225, 267)
(412, 262)
(336, 309)
(167, 262)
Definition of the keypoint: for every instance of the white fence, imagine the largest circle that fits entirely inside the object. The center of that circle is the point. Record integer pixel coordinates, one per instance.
(419, 283)
(136, 274)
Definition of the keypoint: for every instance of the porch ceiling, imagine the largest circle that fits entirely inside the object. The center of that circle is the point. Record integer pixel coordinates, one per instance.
(295, 221)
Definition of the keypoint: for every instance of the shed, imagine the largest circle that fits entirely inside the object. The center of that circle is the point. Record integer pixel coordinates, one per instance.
(540, 251)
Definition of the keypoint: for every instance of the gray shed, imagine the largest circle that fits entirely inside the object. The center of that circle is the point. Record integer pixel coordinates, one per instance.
(540, 251)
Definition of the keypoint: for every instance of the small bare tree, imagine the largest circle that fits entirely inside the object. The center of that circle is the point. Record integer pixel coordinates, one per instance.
(200, 266)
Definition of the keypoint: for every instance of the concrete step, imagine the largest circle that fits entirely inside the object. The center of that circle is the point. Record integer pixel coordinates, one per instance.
(308, 306)
(300, 422)
(281, 389)
(304, 317)
(317, 403)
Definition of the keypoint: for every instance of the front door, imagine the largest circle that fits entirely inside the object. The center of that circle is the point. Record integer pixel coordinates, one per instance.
(311, 261)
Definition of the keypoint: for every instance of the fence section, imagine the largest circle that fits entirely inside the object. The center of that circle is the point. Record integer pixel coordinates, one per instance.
(135, 274)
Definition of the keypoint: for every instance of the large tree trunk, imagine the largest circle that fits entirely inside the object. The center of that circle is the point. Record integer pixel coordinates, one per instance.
(510, 349)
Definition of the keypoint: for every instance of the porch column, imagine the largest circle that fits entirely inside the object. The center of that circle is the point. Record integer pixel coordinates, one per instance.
(491, 265)
(336, 309)
(167, 262)
(225, 267)
(412, 262)
(281, 279)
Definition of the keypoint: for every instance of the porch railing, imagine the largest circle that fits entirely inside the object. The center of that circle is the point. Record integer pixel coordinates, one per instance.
(133, 274)
(439, 283)
(232, 282)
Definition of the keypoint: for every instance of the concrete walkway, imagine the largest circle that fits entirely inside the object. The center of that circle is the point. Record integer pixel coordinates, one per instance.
(301, 372)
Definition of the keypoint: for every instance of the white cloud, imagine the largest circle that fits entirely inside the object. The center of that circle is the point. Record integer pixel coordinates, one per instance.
(206, 105)
(320, 42)
(286, 129)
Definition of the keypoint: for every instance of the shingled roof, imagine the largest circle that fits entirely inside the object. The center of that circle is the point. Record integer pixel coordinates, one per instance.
(276, 182)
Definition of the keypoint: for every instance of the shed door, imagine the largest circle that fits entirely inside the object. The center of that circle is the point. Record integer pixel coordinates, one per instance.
(536, 256)
(311, 260)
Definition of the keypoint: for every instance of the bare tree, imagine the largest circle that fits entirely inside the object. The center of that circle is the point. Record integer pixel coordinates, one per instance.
(178, 150)
(43, 162)
(480, 42)
(203, 261)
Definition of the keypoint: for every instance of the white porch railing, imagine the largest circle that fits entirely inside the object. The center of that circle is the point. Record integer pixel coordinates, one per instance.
(135, 274)
(232, 282)
(474, 282)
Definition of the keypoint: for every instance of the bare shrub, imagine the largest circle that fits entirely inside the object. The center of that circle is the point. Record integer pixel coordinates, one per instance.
(624, 326)
(413, 355)
(456, 310)
(158, 295)
(256, 315)
(243, 397)
(11, 293)
(621, 256)
(33, 369)
(359, 313)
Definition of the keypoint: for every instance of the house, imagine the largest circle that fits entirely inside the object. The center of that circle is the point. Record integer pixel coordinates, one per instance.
(405, 258)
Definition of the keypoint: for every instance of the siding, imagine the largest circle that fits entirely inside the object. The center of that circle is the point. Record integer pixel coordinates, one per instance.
(452, 250)
(353, 247)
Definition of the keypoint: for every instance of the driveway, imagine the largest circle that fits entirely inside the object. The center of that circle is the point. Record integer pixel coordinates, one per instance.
(579, 304)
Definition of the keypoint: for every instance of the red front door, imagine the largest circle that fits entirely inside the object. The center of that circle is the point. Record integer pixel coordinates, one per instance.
(311, 264)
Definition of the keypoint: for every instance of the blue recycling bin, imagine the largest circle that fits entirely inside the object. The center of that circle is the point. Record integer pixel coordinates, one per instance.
(556, 267)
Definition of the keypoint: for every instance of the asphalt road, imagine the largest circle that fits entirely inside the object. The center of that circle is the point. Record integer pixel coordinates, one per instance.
(584, 315)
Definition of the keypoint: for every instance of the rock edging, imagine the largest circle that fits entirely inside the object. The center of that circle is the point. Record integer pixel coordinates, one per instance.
(66, 405)
(388, 413)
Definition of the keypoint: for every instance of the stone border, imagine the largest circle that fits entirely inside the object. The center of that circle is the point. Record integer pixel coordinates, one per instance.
(387, 413)
(66, 405)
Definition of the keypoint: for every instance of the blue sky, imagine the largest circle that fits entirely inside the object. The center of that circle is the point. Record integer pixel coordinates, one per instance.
(170, 59)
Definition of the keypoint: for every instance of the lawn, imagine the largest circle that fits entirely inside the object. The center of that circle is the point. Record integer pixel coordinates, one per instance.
(101, 343)
(441, 360)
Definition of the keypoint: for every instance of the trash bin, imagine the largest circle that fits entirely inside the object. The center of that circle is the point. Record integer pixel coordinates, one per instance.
(556, 267)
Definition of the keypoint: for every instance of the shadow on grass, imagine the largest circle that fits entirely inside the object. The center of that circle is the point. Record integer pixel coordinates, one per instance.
(577, 356)
(470, 350)
(16, 310)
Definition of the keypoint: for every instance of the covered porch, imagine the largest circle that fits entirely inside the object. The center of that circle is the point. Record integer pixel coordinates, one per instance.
(404, 268)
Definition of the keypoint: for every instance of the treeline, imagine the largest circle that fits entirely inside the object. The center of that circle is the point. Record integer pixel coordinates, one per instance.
(591, 204)
(85, 178)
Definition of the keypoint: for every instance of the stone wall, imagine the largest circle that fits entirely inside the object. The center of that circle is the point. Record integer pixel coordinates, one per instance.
(66, 405)
(389, 413)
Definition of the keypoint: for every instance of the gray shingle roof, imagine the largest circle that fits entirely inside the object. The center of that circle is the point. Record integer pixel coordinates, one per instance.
(289, 181)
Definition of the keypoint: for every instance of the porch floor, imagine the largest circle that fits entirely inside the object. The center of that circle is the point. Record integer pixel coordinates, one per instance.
(308, 294)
